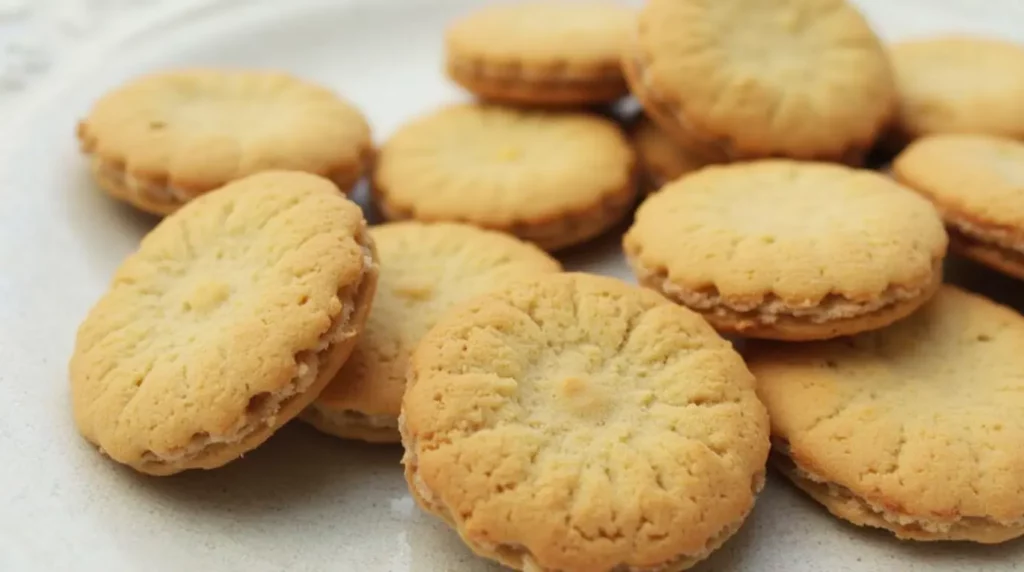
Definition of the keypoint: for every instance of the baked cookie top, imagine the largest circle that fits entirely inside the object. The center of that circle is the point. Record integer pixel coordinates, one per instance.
(960, 84)
(977, 181)
(499, 167)
(575, 422)
(197, 129)
(920, 420)
(214, 325)
(426, 269)
(543, 39)
(786, 232)
(665, 158)
(801, 78)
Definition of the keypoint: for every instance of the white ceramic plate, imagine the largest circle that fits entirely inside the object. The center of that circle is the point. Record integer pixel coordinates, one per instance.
(303, 501)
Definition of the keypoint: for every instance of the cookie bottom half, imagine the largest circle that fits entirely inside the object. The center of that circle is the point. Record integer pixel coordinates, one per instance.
(842, 503)
(833, 317)
(516, 86)
(556, 232)
(351, 424)
(998, 258)
(268, 412)
(162, 198)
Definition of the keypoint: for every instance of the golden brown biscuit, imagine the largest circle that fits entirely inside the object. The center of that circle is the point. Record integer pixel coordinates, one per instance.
(554, 179)
(426, 269)
(230, 318)
(165, 138)
(959, 84)
(789, 250)
(541, 53)
(806, 79)
(977, 183)
(576, 423)
(914, 428)
(663, 159)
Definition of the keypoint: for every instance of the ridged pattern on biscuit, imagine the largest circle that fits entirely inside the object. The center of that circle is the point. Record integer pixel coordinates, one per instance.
(579, 423)
(959, 84)
(920, 421)
(208, 334)
(790, 235)
(805, 79)
(426, 269)
(190, 131)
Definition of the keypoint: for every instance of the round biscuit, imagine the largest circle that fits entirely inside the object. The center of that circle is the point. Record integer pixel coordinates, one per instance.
(230, 318)
(959, 84)
(426, 269)
(806, 79)
(165, 138)
(977, 183)
(789, 250)
(541, 53)
(915, 428)
(576, 423)
(553, 178)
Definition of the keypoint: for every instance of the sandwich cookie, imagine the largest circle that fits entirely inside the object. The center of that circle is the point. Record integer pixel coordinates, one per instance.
(553, 178)
(425, 270)
(806, 79)
(541, 53)
(229, 319)
(163, 139)
(575, 423)
(914, 429)
(789, 250)
(977, 183)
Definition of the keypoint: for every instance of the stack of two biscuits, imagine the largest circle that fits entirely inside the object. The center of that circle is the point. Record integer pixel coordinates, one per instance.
(896, 409)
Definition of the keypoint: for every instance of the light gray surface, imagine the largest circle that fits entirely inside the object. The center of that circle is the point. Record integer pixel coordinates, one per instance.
(303, 501)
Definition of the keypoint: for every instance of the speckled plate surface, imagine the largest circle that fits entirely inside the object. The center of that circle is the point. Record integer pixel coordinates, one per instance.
(303, 501)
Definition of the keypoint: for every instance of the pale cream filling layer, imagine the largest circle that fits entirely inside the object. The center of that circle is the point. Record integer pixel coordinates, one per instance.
(996, 237)
(169, 195)
(771, 308)
(898, 519)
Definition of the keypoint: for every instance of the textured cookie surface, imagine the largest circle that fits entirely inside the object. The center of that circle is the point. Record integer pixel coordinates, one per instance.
(798, 78)
(959, 84)
(977, 183)
(541, 52)
(425, 270)
(230, 318)
(555, 179)
(577, 423)
(915, 428)
(664, 159)
(791, 250)
(165, 138)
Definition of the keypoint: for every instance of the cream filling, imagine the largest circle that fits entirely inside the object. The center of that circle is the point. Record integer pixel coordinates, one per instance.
(995, 237)
(169, 195)
(771, 308)
(263, 408)
(897, 519)
(599, 75)
(346, 418)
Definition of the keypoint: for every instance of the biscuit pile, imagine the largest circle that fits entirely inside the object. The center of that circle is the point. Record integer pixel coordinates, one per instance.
(563, 421)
